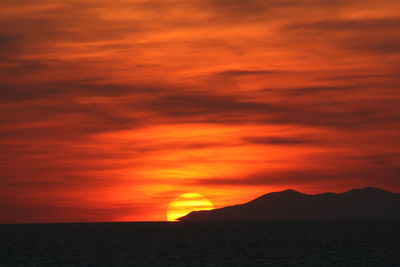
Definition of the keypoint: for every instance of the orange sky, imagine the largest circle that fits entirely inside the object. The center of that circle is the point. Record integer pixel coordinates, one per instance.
(110, 109)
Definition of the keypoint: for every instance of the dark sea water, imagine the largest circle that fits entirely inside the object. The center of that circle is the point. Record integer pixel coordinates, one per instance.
(274, 243)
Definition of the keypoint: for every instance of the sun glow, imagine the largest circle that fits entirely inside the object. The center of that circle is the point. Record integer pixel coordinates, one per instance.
(187, 203)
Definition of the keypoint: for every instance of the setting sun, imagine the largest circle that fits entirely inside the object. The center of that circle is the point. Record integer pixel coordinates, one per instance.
(187, 203)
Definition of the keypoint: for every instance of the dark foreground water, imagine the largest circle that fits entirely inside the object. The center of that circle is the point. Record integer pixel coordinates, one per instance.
(278, 243)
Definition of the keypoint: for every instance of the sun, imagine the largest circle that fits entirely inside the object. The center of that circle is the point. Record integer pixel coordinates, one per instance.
(187, 203)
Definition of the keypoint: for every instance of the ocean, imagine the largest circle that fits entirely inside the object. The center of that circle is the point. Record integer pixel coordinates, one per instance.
(267, 243)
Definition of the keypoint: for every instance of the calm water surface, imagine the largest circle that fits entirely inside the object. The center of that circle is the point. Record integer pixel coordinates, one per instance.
(274, 243)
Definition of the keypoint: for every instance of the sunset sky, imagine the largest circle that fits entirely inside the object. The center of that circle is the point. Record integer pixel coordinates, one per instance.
(110, 109)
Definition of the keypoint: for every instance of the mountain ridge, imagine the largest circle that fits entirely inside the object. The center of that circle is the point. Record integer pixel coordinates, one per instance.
(359, 203)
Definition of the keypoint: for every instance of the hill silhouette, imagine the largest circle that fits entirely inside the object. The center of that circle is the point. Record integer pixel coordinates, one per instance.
(364, 203)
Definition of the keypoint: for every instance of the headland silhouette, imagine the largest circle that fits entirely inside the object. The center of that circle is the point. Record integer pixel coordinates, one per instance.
(364, 203)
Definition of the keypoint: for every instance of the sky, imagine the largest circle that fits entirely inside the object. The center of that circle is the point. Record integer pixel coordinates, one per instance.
(110, 109)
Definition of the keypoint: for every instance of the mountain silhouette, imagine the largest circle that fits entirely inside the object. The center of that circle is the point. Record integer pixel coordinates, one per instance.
(364, 203)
